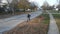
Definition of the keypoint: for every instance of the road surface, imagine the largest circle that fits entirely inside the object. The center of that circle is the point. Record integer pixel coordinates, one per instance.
(9, 23)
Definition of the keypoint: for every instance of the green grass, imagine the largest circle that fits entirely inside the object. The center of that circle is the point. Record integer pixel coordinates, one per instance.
(46, 21)
(57, 18)
(51, 11)
(44, 25)
(54, 11)
(56, 15)
(46, 18)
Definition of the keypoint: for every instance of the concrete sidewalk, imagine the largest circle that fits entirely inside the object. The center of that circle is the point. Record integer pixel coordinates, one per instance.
(53, 29)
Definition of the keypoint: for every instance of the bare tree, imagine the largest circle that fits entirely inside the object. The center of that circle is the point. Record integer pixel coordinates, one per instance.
(58, 6)
(33, 6)
(45, 5)
(13, 5)
(23, 4)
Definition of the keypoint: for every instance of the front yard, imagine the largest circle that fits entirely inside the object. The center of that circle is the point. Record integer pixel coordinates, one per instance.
(38, 25)
(57, 18)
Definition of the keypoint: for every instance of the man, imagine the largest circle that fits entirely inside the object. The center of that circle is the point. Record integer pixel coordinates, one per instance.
(28, 16)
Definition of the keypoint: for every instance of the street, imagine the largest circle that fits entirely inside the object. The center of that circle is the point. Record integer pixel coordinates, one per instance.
(9, 23)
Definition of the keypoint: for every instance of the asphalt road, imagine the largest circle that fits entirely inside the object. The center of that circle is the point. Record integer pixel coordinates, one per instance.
(9, 23)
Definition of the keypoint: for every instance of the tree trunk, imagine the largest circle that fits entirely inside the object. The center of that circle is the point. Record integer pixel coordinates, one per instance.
(13, 11)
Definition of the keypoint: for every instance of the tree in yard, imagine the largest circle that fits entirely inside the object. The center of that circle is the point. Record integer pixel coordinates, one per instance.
(45, 5)
(33, 6)
(58, 6)
(51, 7)
(23, 4)
(13, 5)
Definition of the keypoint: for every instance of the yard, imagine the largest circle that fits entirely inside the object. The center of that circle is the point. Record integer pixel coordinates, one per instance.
(57, 18)
(38, 25)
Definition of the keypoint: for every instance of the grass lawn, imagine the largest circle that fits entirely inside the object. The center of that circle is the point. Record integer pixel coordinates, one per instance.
(57, 17)
(38, 25)
(54, 11)
(51, 11)
(45, 24)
